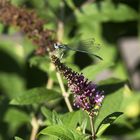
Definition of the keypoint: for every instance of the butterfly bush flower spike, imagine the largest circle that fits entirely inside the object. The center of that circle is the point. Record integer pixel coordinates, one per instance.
(86, 95)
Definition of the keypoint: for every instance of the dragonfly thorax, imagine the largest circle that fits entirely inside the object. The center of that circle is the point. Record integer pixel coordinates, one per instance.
(59, 46)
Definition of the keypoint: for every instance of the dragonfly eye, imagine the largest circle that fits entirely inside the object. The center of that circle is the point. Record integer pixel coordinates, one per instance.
(56, 46)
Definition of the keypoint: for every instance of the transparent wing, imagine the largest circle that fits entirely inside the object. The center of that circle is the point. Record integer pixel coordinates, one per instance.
(83, 51)
(88, 46)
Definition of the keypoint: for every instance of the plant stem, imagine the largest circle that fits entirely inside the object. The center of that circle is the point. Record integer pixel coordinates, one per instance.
(49, 83)
(35, 127)
(92, 128)
(64, 93)
(50, 80)
(60, 33)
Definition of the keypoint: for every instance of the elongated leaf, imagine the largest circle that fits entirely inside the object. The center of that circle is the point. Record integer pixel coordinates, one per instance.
(11, 84)
(71, 119)
(14, 56)
(1, 27)
(38, 4)
(111, 85)
(17, 2)
(36, 95)
(107, 12)
(113, 12)
(46, 112)
(71, 4)
(52, 117)
(18, 138)
(15, 115)
(112, 103)
(40, 62)
(56, 118)
(106, 122)
(16, 118)
(62, 132)
(91, 72)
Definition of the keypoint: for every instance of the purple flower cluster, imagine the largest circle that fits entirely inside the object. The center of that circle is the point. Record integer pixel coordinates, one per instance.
(86, 95)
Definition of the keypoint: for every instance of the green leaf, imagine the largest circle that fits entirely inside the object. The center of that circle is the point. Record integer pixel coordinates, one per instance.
(62, 132)
(16, 115)
(1, 27)
(112, 81)
(14, 55)
(107, 12)
(38, 4)
(118, 13)
(130, 104)
(41, 62)
(91, 72)
(111, 85)
(134, 135)
(46, 112)
(112, 103)
(16, 118)
(70, 3)
(52, 116)
(12, 84)
(18, 138)
(71, 119)
(17, 2)
(36, 95)
(56, 118)
(54, 4)
(123, 121)
(107, 121)
(68, 119)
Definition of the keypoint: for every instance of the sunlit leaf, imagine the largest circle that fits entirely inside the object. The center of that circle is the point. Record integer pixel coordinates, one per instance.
(62, 132)
(17, 2)
(47, 113)
(107, 12)
(71, 4)
(16, 118)
(43, 63)
(92, 71)
(36, 95)
(107, 121)
(40, 62)
(12, 84)
(18, 138)
(71, 119)
(112, 103)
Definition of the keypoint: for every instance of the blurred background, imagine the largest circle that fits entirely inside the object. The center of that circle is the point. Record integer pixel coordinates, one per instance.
(115, 26)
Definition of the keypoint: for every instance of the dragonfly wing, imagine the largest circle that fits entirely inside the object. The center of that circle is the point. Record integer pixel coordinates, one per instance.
(89, 45)
(83, 51)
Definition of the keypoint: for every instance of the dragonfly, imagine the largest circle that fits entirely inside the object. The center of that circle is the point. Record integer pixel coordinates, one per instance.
(65, 47)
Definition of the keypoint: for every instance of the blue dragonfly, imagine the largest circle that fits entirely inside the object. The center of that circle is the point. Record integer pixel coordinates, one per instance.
(88, 46)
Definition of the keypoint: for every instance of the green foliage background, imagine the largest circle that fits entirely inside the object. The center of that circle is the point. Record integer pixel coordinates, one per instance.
(23, 77)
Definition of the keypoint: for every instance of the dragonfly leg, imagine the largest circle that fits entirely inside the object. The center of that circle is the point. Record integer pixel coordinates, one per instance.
(61, 54)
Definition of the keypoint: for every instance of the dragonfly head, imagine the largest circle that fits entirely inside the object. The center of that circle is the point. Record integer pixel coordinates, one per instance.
(56, 45)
